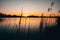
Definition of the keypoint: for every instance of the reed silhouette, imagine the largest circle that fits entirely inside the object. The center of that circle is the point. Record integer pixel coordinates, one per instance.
(49, 33)
(20, 18)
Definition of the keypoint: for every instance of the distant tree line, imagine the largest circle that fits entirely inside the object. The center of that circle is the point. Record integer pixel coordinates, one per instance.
(4, 15)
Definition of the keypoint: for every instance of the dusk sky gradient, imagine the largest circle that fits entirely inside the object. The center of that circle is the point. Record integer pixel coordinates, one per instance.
(29, 6)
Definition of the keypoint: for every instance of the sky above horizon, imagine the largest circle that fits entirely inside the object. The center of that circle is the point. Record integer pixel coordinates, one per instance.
(29, 6)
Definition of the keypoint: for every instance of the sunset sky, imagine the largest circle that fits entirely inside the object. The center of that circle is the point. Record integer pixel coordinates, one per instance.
(13, 7)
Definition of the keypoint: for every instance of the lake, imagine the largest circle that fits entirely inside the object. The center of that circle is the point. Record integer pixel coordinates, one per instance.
(27, 23)
(29, 29)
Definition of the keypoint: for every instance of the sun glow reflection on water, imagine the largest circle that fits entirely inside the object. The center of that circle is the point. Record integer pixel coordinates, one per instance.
(32, 23)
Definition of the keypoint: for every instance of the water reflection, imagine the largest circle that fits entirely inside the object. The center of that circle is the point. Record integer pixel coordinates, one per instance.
(1, 19)
(31, 23)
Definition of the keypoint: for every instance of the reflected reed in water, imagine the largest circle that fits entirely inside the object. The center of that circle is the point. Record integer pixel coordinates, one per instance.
(30, 28)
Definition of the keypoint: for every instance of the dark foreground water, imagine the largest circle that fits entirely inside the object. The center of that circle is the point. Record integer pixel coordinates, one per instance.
(29, 29)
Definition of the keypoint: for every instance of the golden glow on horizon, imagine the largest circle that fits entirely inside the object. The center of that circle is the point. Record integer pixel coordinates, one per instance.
(33, 13)
(25, 15)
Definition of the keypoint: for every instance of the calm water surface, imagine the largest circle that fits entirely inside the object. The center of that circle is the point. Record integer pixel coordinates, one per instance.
(25, 23)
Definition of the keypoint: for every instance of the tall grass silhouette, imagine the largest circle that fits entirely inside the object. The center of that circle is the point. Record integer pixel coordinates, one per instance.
(20, 18)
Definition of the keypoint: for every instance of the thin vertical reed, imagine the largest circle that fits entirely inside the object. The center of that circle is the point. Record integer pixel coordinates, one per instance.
(20, 18)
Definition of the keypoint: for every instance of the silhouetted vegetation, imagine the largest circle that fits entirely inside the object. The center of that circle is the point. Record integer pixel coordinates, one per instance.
(50, 33)
(4, 15)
